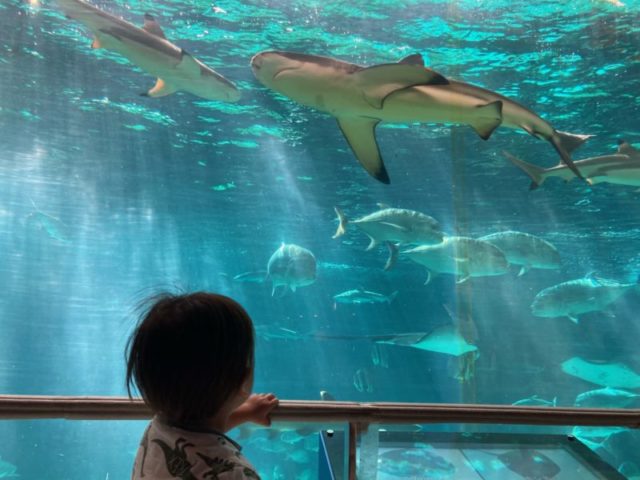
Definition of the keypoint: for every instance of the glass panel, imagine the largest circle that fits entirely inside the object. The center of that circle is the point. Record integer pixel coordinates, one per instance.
(105, 450)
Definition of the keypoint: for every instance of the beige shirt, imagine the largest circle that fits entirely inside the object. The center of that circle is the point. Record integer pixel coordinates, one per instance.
(168, 452)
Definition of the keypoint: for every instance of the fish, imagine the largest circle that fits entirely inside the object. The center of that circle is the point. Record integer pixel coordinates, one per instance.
(148, 48)
(526, 250)
(291, 266)
(275, 332)
(572, 298)
(443, 339)
(362, 381)
(258, 276)
(606, 398)
(404, 92)
(326, 396)
(535, 401)
(464, 257)
(613, 375)
(530, 464)
(393, 226)
(360, 296)
(621, 168)
(379, 356)
(421, 462)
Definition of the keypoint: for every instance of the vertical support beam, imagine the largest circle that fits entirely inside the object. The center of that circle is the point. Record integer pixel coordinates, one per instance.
(352, 439)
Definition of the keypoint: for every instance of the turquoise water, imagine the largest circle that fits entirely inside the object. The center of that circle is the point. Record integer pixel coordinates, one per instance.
(107, 196)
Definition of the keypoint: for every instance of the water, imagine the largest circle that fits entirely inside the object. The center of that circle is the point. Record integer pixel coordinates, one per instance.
(107, 196)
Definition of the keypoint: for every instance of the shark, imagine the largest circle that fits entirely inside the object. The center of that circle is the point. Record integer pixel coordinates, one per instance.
(361, 97)
(622, 168)
(149, 49)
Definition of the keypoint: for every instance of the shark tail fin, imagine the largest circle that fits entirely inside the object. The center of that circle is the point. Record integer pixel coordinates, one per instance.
(490, 118)
(537, 174)
(565, 143)
(342, 226)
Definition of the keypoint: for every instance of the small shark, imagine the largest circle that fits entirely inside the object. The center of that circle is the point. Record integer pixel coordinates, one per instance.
(361, 97)
(622, 168)
(526, 250)
(148, 48)
(361, 296)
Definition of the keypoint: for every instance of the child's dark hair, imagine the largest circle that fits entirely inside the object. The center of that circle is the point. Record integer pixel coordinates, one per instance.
(189, 354)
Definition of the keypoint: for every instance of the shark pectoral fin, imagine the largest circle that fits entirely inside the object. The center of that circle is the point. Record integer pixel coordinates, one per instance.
(380, 81)
(429, 277)
(96, 43)
(361, 136)
(161, 89)
(523, 270)
(152, 26)
(490, 118)
(574, 319)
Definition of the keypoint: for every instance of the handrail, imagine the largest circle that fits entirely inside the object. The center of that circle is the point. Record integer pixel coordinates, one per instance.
(122, 408)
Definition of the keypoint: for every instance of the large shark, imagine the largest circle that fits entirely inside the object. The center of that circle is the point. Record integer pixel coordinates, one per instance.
(361, 97)
(622, 167)
(148, 48)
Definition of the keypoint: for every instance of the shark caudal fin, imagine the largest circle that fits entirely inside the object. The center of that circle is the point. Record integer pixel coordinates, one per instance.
(490, 119)
(565, 143)
(342, 226)
(360, 133)
(537, 174)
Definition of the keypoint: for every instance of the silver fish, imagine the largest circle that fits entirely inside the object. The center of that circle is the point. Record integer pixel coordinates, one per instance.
(360, 296)
(572, 298)
(461, 256)
(291, 266)
(393, 225)
(362, 381)
(621, 168)
(148, 48)
(525, 250)
(606, 398)
(535, 401)
(361, 97)
(379, 356)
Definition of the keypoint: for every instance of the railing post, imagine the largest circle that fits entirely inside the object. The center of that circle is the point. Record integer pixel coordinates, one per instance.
(352, 439)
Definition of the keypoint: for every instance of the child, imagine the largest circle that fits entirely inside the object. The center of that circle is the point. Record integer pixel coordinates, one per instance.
(191, 358)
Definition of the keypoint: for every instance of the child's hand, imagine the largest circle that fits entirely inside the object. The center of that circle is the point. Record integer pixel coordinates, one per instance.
(258, 407)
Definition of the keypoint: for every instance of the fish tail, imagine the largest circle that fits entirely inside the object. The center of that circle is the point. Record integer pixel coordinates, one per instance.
(536, 173)
(342, 226)
(565, 143)
(393, 296)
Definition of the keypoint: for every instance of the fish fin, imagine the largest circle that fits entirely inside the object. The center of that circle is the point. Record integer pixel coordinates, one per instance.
(414, 59)
(383, 205)
(537, 174)
(554, 402)
(395, 226)
(523, 270)
(96, 43)
(380, 81)
(625, 148)
(342, 225)
(372, 244)
(360, 133)
(152, 26)
(463, 279)
(565, 143)
(393, 257)
(491, 119)
(293, 288)
(161, 89)
(393, 296)
(429, 277)
(574, 319)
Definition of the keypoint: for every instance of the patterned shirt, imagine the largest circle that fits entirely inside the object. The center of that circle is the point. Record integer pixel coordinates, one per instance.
(169, 452)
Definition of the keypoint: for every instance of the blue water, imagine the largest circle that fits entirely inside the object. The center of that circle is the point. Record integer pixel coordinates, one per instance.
(106, 197)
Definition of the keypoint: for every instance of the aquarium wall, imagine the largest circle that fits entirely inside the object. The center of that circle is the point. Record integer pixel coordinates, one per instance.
(416, 201)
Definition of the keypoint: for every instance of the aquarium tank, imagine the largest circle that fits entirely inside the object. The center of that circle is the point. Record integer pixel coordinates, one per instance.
(428, 201)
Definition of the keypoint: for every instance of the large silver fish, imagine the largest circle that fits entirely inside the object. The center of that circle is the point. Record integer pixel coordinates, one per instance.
(622, 168)
(361, 97)
(572, 298)
(360, 296)
(464, 257)
(606, 398)
(393, 225)
(291, 266)
(148, 48)
(525, 250)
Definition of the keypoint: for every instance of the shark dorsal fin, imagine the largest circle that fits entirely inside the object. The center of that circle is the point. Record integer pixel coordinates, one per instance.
(625, 148)
(414, 59)
(380, 81)
(151, 26)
